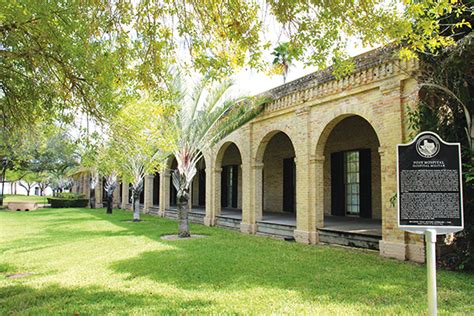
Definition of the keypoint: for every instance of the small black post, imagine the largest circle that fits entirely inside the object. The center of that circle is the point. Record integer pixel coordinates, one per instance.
(4, 169)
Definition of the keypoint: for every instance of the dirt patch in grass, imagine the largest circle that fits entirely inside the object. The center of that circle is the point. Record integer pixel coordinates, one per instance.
(18, 275)
(176, 237)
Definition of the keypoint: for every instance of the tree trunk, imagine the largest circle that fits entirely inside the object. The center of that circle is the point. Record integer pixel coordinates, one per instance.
(183, 207)
(136, 206)
(92, 198)
(109, 203)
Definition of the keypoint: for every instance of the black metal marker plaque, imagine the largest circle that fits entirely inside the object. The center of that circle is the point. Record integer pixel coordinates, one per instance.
(429, 184)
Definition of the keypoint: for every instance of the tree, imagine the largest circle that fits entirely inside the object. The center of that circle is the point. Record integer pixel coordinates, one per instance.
(25, 178)
(107, 167)
(63, 57)
(59, 58)
(45, 158)
(321, 30)
(283, 58)
(111, 183)
(200, 120)
(133, 136)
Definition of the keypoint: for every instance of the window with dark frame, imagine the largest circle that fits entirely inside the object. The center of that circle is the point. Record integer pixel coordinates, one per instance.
(352, 182)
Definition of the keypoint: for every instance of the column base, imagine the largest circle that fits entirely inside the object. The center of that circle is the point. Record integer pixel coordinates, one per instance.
(209, 221)
(248, 228)
(396, 250)
(306, 237)
(416, 252)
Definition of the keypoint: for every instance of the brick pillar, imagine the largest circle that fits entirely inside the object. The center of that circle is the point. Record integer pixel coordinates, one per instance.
(124, 195)
(148, 192)
(211, 191)
(86, 187)
(191, 193)
(393, 242)
(164, 191)
(257, 198)
(317, 165)
(98, 193)
(116, 197)
(248, 224)
(305, 231)
(215, 208)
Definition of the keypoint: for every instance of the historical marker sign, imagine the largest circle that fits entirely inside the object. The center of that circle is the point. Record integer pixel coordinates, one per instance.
(430, 195)
(429, 185)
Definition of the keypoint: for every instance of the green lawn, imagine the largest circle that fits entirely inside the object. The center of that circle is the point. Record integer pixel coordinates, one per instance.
(86, 262)
(21, 198)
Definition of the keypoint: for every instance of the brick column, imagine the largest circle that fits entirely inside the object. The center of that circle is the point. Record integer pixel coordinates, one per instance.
(164, 191)
(191, 193)
(148, 193)
(124, 195)
(98, 193)
(86, 187)
(116, 197)
(393, 242)
(317, 165)
(211, 190)
(215, 208)
(305, 231)
(257, 198)
(248, 217)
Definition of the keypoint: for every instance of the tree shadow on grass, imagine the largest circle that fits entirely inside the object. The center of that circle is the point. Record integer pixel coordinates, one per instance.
(54, 299)
(231, 261)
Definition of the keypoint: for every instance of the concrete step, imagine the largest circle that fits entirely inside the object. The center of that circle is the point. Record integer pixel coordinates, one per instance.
(197, 218)
(349, 239)
(193, 217)
(171, 214)
(227, 222)
(277, 230)
(153, 212)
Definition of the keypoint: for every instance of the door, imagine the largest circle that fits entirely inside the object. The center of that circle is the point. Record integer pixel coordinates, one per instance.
(289, 185)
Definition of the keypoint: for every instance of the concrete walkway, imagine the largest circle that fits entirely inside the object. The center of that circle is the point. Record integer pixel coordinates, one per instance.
(231, 213)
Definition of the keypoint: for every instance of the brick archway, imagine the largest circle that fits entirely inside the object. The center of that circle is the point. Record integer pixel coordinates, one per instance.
(350, 175)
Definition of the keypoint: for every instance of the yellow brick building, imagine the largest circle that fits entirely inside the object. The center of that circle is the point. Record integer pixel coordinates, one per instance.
(317, 165)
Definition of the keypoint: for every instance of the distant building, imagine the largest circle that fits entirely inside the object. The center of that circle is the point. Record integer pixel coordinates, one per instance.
(15, 188)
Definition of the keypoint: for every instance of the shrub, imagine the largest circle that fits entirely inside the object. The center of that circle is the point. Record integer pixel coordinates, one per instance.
(70, 195)
(59, 202)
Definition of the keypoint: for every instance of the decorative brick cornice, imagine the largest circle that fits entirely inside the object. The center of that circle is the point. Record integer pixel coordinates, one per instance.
(369, 67)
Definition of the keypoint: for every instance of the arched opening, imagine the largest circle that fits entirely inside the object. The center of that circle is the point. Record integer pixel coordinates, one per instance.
(104, 192)
(156, 190)
(120, 187)
(198, 187)
(229, 210)
(130, 194)
(352, 178)
(173, 192)
(276, 156)
(197, 201)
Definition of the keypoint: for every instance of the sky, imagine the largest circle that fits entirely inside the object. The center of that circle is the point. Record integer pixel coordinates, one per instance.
(252, 82)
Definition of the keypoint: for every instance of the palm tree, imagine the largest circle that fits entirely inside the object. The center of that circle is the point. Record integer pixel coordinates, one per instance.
(133, 138)
(111, 183)
(283, 58)
(201, 120)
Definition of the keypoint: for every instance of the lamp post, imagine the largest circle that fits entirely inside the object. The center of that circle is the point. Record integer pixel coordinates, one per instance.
(4, 169)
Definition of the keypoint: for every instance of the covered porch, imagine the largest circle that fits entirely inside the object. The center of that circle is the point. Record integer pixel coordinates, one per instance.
(229, 218)
(196, 214)
(341, 230)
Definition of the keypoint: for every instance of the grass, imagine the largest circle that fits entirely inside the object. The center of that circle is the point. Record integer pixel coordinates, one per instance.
(84, 261)
(25, 198)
